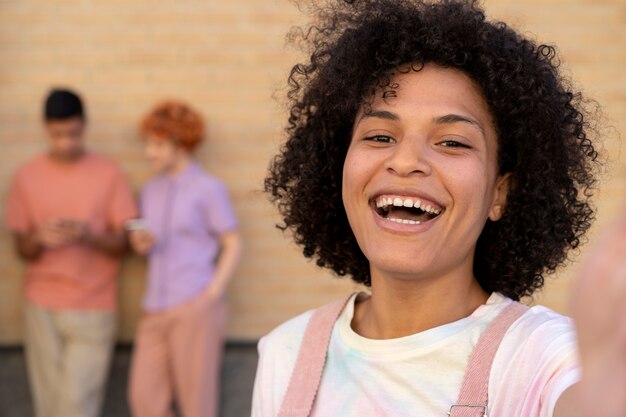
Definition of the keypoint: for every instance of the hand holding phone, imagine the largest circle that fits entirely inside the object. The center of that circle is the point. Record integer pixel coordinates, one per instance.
(141, 240)
(59, 232)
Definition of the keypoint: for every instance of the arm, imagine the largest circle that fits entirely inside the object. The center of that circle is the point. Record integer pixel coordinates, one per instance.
(230, 243)
(28, 246)
(567, 405)
(141, 241)
(19, 220)
(114, 243)
(31, 244)
(111, 242)
(599, 312)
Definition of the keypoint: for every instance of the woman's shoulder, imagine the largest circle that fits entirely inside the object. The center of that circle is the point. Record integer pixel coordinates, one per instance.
(541, 320)
(541, 335)
(153, 184)
(536, 361)
(278, 351)
(208, 181)
(287, 337)
(537, 331)
(536, 319)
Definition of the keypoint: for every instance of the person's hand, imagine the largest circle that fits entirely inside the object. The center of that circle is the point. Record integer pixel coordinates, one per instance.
(213, 292)
(53, 234)
(76, 231)
(599, 311)
(141, 241)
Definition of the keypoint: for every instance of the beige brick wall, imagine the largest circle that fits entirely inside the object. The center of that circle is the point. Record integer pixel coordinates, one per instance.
(228, 58)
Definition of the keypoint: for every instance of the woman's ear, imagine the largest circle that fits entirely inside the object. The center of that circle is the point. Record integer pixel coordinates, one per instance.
(499, 198)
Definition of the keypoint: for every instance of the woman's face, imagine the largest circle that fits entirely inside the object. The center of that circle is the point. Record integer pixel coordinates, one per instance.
(420, 177)
(161, 152)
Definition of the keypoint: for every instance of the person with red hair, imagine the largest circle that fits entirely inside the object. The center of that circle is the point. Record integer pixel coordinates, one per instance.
(189, 233)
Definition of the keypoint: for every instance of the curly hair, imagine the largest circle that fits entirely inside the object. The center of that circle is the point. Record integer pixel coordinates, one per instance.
(543, 128)
(175, 121)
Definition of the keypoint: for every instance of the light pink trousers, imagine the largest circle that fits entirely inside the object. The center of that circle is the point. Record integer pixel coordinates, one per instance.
(177, 358)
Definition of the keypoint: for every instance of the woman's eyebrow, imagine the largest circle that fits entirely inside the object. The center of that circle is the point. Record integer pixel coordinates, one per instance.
(446, 119)
(456, 118)
(381, 114)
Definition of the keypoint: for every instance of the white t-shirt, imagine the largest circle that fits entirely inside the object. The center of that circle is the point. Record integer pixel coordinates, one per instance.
(421, 374)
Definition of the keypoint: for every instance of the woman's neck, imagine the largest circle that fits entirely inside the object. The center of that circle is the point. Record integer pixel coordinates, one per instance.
(401, 307)
(181, 162)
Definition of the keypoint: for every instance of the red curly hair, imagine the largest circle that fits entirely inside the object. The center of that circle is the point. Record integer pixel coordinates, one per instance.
(175, 121)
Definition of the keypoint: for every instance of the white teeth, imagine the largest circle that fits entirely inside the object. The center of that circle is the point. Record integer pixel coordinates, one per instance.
(403, 221)
(407, 202)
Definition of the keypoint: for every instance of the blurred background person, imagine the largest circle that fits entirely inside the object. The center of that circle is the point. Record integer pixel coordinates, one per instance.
(189, 233)
(67, 209)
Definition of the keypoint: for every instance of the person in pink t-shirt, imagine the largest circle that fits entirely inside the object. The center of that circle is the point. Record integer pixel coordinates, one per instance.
(189, 233)
(67, 209)
(443, 161)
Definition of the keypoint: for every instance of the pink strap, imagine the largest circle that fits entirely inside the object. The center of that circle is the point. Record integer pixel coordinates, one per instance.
(472, 400)
(307, 372)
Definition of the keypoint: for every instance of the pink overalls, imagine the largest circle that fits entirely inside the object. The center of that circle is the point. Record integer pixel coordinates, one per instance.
(307, 372)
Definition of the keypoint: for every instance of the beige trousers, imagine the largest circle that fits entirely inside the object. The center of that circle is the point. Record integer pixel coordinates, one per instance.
(177, 357)
(68, 353)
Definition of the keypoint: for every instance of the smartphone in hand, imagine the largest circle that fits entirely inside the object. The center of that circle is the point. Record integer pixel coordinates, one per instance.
(137, 225)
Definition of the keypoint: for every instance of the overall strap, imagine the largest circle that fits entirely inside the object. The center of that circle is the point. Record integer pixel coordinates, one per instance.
(307, 372)
(472, 400)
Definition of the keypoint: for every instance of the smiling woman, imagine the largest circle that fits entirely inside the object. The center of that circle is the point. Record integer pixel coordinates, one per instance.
(438, 149)
(443, 161)
(543, 132)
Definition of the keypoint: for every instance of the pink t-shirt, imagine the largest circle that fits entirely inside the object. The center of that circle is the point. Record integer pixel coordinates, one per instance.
(92, 190)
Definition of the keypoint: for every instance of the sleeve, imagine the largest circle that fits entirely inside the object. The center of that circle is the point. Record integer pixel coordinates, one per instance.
(262, 405)
(278, 352)
(122, 204)
(553, 391)
(219, 212)
(17, 218)
(535, 366)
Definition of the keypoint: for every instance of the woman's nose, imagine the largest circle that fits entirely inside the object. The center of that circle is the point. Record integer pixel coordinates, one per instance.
(410, 156)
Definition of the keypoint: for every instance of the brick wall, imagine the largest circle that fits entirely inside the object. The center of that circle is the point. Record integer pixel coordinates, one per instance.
(228, 58)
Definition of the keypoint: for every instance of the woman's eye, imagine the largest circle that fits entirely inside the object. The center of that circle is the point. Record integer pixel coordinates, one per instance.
(380, 139)
(450, 143)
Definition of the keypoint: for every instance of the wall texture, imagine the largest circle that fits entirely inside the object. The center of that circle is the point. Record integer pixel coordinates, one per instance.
(229, 59)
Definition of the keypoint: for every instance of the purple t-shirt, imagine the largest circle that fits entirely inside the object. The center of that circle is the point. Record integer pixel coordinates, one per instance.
(187, 214)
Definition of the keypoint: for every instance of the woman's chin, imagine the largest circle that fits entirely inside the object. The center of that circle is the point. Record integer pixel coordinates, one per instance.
(401, 268)
(158, 169)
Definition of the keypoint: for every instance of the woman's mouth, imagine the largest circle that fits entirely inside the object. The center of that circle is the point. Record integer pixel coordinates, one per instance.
(405, 209)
